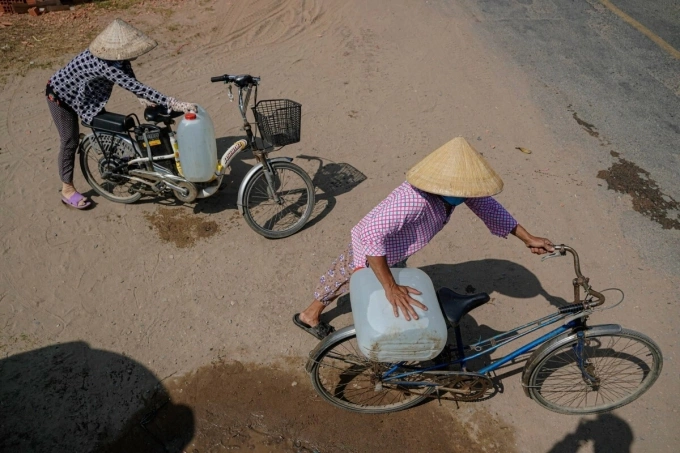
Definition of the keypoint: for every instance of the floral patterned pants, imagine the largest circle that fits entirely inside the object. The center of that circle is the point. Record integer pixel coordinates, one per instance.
(335, 282)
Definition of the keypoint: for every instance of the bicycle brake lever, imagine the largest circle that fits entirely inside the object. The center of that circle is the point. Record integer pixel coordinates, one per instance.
(231, 96)
(554, 254)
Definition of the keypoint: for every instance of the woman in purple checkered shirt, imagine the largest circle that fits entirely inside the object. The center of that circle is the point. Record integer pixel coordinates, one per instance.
(84, 85)
(408, 219)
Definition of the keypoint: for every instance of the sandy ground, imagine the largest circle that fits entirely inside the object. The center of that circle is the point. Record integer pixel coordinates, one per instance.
(97, 295)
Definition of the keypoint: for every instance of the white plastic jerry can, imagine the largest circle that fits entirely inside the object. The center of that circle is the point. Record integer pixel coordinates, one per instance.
(197, 146)
(383, 337)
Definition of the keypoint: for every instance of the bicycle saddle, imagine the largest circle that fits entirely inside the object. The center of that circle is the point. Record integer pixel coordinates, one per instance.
(160, 114)
(455, 305)
(111, 122)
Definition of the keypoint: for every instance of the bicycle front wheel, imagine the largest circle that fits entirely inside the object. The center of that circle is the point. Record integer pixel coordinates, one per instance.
(616, 369)
(108, 176)
(345, 378)
(281, 209)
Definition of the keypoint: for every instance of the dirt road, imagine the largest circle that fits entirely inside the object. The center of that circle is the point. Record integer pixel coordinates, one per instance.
(97, 305)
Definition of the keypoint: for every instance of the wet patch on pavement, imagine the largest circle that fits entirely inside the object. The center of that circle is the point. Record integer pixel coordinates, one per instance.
(240, 407)
(628, 178)
(177, 226)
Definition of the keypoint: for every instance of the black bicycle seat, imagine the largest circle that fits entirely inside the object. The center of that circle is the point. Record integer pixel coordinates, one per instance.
(455, 305)
(160, 114)
(111, 122)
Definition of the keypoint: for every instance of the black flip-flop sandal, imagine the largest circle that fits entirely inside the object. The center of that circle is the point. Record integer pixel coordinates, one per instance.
(319, 331)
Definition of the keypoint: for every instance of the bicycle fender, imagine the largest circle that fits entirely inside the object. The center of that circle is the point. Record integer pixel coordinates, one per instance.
(250, 175)
(323, 344)
(558, 342)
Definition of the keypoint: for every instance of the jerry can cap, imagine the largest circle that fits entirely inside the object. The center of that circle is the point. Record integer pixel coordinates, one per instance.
(190, 116)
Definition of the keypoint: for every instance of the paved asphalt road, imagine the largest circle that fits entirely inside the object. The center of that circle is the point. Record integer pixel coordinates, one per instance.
(616, 63)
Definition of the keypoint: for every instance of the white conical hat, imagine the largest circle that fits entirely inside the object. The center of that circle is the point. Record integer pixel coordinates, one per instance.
(455, 170)
(121, 41)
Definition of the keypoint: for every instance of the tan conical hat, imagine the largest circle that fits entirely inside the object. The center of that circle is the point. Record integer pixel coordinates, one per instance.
(121, 41)
(455, 170)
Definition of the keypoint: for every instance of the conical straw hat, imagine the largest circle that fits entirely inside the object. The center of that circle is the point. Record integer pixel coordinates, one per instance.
(121, 41)
(455, 170)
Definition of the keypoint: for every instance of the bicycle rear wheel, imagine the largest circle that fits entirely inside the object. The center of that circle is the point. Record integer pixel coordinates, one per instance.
(618, 367)
(280, 219)
(108, 175)
(345, 378)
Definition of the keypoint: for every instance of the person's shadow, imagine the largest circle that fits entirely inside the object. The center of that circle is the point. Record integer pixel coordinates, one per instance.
(608, 433)
(69, 397)
(491, 276)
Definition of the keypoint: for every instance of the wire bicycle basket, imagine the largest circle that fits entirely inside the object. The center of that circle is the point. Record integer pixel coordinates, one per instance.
(279, 121)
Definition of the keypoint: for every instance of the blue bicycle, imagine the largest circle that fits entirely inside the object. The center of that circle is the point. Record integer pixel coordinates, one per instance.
(574, 369)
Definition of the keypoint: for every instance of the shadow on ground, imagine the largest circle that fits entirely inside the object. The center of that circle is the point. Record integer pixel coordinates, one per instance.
(330, 179)
(492, 276)
(607, 433)
(69, 397)
(247, 407)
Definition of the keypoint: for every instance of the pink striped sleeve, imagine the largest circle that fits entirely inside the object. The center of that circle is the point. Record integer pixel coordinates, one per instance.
(499, 221)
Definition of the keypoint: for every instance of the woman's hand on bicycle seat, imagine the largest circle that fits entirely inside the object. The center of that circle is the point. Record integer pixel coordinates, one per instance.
(177, 106)
(399, 297)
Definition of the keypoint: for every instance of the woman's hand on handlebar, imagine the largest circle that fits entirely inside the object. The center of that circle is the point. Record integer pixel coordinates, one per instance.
(538, 245)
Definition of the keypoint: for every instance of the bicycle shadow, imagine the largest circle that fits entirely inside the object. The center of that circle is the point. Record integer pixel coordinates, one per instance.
(69, 397)
(330, 179)
(607, 432)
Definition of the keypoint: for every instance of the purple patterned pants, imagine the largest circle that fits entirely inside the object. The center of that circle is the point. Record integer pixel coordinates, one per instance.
(335, 282)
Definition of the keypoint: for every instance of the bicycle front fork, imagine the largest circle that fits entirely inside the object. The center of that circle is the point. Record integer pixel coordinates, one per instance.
(584, 364)
(271, 178)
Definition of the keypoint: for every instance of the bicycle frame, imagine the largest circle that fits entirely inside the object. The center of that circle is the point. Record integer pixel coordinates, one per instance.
(243, 108)
(576, 313)
(259, 153)
(575, 323)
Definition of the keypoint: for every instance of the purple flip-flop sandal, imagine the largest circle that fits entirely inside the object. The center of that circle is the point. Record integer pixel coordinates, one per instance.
(74, 201)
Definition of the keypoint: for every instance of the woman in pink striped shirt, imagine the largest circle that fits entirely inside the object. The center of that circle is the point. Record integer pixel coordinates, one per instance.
(408, 219)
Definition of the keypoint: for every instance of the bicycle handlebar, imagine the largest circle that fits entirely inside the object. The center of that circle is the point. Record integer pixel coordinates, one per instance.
(579, 282)
(239, 80)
